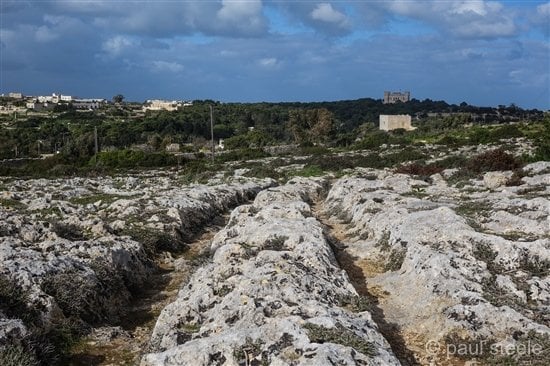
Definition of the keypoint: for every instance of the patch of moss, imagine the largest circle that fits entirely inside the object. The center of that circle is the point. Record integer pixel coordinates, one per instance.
(11, 203)
(396, 259)
(356, 304)
(250, 353)
(91, 199)
(339, 335)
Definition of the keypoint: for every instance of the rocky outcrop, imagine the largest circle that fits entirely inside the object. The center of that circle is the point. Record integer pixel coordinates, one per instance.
(77, 248)
(272, 294)
(449, 262)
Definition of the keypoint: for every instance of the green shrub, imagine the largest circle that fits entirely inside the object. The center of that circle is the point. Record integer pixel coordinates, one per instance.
(373, 140)
(339, 335)
(133, 159)
(155, 241)
(308, 171)
(451, 141)
(63, 170)
(17, 355)
(242, 154)
(93, 297)
(540, 135)
(493, 160)
(419, 169)
(506, 131)
(407, 154)
(14, 301)
(263, 171)
(199, 171)
(43, 344)
(451, 162)
(67, 231)
(478, 135)
(314, 150)
(11, 203)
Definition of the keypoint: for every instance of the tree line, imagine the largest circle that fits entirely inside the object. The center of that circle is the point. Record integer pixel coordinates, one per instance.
(242, 125)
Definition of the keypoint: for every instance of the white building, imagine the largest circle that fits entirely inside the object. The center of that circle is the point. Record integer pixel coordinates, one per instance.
(88, 103)
(394, 97)
(159, 105)
(54, 98)
(15, 95)
(393, 122)
(173, 148)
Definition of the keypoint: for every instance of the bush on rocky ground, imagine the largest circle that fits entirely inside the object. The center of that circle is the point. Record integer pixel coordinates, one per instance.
(154, 241)
(493, 160)
(44, 343)
(419, 169)
(95, 297)
(67, 231)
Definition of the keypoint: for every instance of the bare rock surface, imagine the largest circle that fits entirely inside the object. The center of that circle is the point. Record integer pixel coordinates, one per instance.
(272, 294)
(449, 262)
(78, 247)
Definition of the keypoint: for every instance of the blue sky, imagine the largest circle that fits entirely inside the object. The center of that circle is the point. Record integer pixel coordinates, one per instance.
(481, 52)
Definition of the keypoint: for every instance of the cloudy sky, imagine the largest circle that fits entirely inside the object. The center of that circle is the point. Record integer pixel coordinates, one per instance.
(481, 52)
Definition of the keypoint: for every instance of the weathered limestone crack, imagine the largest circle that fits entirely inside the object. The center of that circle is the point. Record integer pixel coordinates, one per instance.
(449, 266)
(273, 294)
(124, 344)
(335, 233)
(74, 253)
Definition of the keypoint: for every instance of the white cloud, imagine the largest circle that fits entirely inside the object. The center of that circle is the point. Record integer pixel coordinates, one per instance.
(244, 17)
(269, 63)
(465, 19)
(114, 46)
(326, 13)
(464, 7)
(482, 28)
(45, 34)
(544, 10)
(166, 66)
(232, 10)
(55, 26)
(541, 18)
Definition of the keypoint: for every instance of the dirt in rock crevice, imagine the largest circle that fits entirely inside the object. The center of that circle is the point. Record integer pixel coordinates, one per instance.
(335, 234)
(125, 343)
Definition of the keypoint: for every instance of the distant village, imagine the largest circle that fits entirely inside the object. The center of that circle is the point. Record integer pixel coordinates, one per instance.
(23, 103)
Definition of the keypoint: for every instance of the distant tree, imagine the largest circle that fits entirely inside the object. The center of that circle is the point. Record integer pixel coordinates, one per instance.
(297, 125)
(312, 125)
(320, 124)
(118, 98)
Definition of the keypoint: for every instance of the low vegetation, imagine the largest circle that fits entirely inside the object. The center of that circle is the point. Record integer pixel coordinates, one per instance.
(42, 345)
(339, 335)
(128, 140)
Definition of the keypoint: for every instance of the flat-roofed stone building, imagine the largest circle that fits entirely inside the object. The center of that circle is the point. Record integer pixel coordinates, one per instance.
(393, 97)
(390, 122)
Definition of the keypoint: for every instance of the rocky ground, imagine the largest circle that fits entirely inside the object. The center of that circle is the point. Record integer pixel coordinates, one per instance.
(368, 267)
(450, 265)
(73, 253)
(273, 294)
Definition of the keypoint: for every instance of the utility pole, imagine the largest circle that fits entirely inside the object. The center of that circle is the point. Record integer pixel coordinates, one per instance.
(212, 133)
(95, 141)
